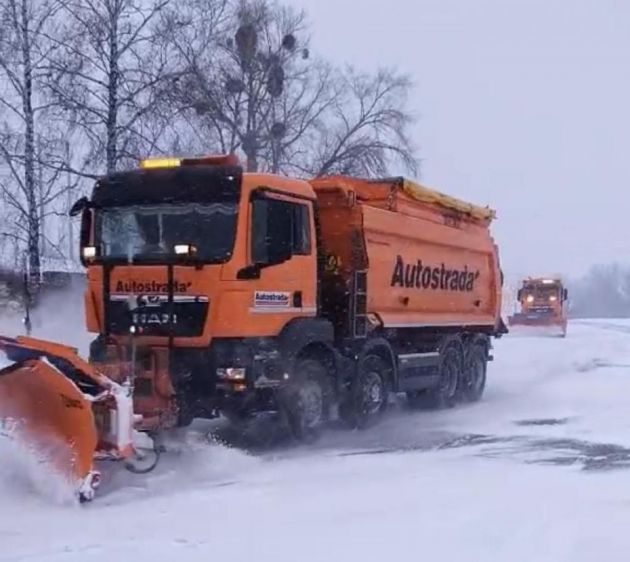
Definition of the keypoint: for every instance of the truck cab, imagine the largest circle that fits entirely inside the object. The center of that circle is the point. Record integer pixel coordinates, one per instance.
(200, 264)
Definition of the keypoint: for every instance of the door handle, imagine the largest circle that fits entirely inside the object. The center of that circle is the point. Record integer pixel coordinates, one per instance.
(297, 299)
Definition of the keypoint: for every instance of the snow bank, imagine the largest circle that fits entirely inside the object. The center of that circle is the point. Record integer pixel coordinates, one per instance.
(525, 474)
(443, 507)
(27, 473)
(192, 461)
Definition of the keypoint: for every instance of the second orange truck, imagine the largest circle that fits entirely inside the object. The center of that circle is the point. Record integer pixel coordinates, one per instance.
(543, 302)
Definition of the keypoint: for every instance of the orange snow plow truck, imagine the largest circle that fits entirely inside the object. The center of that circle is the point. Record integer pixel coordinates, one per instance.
(234, 294)
(543, 303)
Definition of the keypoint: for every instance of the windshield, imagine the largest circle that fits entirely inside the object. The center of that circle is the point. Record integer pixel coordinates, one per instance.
(542, 292)
(151, 231)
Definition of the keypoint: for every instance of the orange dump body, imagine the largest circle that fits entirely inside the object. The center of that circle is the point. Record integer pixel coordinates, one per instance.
(428, 262)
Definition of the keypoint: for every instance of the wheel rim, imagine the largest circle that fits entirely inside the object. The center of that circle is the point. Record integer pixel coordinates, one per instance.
(373, 393)
(143, 460)
(476, 376)
(311, 404)
(450, 374)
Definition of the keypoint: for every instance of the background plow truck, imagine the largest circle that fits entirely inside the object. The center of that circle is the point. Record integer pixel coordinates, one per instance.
(543, 303)
(235, 294)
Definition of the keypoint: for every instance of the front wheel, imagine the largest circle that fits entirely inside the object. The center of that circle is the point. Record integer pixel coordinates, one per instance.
(303, 400)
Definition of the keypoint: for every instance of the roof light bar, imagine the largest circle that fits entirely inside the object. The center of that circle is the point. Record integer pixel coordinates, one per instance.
(150, 163)
(210, 160)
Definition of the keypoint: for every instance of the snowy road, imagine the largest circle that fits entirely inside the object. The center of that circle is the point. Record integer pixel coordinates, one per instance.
(537, 471)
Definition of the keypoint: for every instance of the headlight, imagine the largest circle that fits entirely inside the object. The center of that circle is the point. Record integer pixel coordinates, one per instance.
(530, 298)
(231, 373)
(553, 298)
(89, 252)
(184, 250)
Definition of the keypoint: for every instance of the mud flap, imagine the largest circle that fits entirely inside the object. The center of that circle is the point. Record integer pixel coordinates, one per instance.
(48, 413)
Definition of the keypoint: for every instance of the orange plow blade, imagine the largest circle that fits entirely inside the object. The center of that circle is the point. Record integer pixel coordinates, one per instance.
(65, 413)
(47, 412)
(535, 325)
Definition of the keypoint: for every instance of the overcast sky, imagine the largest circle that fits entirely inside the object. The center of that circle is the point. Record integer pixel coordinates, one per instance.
(523, 105)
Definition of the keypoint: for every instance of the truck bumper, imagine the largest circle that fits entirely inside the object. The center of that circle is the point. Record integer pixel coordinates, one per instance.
(175, 385)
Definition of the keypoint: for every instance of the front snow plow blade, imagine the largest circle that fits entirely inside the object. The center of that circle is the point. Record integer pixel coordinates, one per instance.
(63, 411)
(528, 324)
(47, 413)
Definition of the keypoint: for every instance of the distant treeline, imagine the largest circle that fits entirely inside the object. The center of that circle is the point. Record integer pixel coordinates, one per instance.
(604, 292)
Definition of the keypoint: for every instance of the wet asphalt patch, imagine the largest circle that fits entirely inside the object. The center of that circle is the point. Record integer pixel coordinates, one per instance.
(595, 364)
(585, 455)
(529, 449)
(542, 421)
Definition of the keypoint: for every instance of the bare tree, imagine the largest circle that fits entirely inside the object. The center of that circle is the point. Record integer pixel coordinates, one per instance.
(238, 83)
(257, 89)
(23, 54)
(108, 72)
(367, 127)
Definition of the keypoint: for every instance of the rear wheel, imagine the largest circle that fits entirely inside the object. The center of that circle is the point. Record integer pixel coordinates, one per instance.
(369, 393)
(444, 395)
(303, 400)
(473, 380)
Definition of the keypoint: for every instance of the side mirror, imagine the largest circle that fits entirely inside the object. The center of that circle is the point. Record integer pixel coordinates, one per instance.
(519, 295)
(565, 294)
(79, 206)
(86, 231)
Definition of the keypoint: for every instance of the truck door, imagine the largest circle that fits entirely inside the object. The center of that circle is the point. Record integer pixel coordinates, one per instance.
(282, 245)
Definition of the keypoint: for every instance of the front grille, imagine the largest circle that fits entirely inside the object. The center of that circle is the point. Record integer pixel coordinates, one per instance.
(154, 316)
(541, 310)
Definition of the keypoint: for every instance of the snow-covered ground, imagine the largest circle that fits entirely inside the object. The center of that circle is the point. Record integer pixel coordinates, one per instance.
(537, 471)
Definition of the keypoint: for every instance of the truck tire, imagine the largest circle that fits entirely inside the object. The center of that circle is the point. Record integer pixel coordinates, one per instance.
(445, 394)
(368, 394)
(473, 380)
(303, 400)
